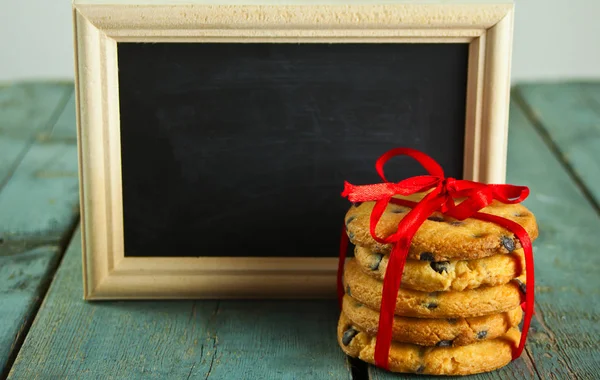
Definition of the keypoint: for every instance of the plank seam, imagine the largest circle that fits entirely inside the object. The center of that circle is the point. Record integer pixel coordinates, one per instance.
(554, 148)
(32, 138)
(210, 328)
(530, 359)
(212, 359)
(191, 369)
(564, 357)
(44, 288)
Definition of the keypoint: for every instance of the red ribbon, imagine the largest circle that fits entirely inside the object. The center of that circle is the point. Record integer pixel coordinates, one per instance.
(441, 198)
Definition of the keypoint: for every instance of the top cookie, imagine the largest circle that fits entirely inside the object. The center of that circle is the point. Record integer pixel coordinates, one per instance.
(440, 237)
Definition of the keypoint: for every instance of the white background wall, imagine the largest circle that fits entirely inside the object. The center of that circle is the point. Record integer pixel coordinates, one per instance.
(554, 39)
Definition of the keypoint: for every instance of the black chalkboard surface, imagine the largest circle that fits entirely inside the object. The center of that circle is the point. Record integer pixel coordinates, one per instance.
(242, 149)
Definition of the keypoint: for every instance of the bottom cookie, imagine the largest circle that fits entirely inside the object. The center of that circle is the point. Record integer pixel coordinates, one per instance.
(475, 358)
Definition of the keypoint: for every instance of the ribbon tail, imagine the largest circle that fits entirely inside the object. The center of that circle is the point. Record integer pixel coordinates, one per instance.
(529, 289)
(391, 285)
(393, 274)
(523, 237)
(344, 241)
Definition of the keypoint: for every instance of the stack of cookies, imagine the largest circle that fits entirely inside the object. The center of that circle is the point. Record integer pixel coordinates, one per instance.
(458, 308)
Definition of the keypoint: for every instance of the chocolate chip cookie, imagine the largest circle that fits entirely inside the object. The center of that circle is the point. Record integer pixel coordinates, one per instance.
(446, 332)
(441, 238)
(453, 275)
(412, 303)
(483, 356)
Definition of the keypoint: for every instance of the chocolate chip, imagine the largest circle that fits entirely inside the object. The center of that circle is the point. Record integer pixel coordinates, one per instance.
(348, 292)
(444, 343)
(440, 266)
(426, 256)
(482, 334)
(436, 218)
(456, 223)
(452, 321)
(376, 261)
(348, 336)
(522, 286)
(508, 243)
(431, 305)
(350, 219)
(356, 204)
(397, 211)
(351, 235)
(421, 369)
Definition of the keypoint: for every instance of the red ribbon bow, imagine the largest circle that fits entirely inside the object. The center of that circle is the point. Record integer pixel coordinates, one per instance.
(442, 198)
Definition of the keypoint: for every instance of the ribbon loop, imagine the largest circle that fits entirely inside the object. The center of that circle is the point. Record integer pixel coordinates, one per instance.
(445, 192)
(432, 167)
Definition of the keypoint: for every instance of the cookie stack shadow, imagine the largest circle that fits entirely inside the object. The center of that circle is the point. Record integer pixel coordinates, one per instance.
(458, 309)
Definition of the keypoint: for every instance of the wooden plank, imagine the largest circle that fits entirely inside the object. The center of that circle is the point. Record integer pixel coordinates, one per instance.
(564, 336)
(37, 205)
(42, 197)
(23, 279)
(568, 114)
(591, 91)
(24, 109)
(296, 339)
(176, 339)
(12, 151)
(41, 200)
(26, 106)
(65, 128)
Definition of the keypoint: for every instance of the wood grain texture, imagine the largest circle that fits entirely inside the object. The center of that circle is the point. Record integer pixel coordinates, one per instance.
(565, 331)
(568, 115)
(288, 340)
(318, 18)
(592, 91)
(26, 108)
(176, 339)
(31, 229)
(64, 129)
(42, 196)
(23, 277)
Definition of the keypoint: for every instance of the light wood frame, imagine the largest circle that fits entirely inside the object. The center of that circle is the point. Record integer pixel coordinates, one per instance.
(100, 24)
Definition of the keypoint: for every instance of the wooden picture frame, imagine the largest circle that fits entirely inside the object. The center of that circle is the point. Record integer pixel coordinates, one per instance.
(98, 26)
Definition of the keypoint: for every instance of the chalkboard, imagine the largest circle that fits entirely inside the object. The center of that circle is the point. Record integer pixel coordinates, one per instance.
(242, 149)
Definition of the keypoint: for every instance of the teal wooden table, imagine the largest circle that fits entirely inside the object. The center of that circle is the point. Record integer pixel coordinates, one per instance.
(48, 332)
